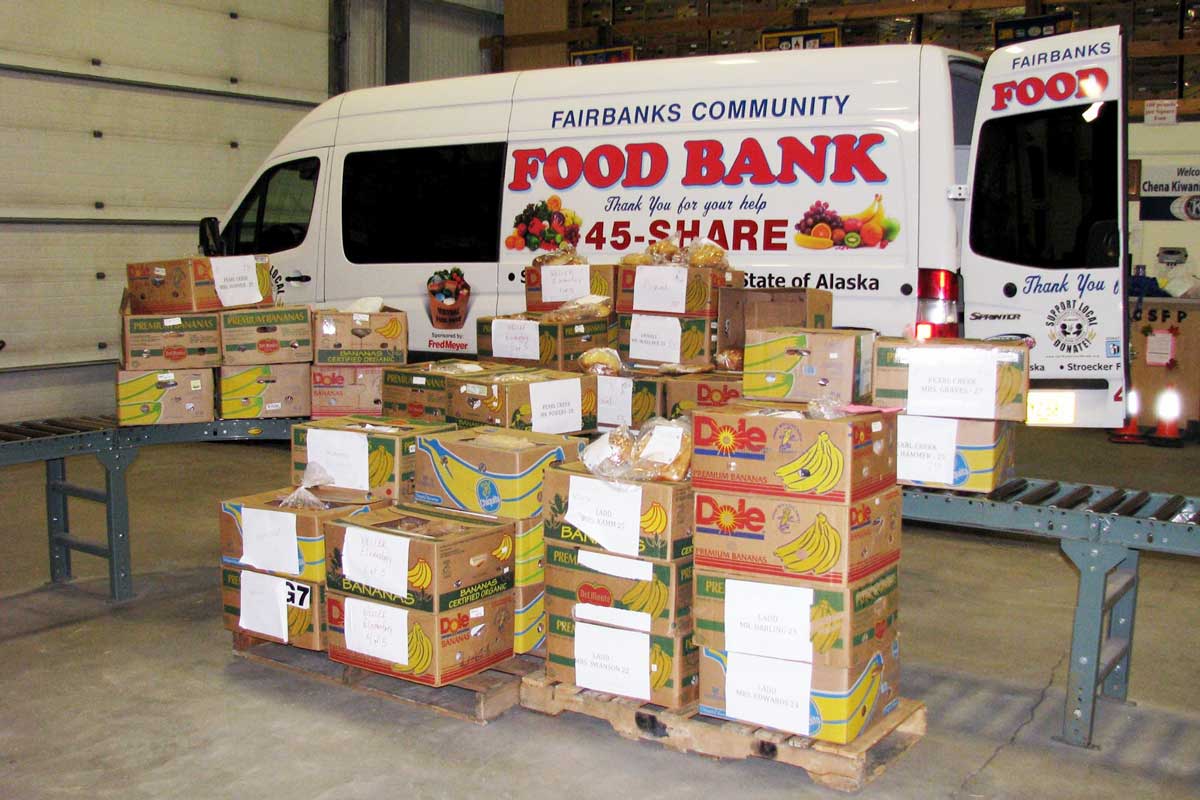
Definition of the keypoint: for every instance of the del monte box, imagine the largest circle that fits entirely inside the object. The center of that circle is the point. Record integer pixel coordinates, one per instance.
(279, 335)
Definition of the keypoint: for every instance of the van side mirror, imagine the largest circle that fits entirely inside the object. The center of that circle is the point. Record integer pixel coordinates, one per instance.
(210, 237)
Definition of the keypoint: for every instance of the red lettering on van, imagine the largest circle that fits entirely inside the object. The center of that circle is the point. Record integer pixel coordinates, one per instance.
(1081, 84)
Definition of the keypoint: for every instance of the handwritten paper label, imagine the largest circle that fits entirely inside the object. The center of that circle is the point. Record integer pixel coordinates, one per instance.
(562, 282)
(515, 338)
(557, 406)
(607, 512)
(269, 541)
(1160, 348)
(236, 280)
(654, 338)
(765, 619)
(952, 382)
(768, 691)
(660, 289)
(614, 400)
(343, 454)
(376, 630)
(263, 604)
(665, 443)
(612, 660)
(376, 559)
(925, 449)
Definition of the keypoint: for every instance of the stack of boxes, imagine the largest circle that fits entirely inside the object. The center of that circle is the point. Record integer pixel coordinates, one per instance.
(351, 350)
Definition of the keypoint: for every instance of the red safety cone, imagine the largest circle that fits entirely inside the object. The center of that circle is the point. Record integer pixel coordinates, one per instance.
(1167, 408)
(1130, 432)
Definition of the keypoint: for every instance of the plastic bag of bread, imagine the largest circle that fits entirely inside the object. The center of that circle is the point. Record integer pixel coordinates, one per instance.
(591, 306)
(663, 450)
(682, 369)
(600, 361)
(705, 253)
(610, 455)
(664, 251)
(730, 360)
(636, 259)
(565, 254)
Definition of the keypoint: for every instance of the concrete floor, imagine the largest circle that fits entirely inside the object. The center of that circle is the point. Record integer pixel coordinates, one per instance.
(145, 700)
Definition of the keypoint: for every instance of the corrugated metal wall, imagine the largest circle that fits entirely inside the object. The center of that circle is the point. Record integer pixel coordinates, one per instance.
(445, 37)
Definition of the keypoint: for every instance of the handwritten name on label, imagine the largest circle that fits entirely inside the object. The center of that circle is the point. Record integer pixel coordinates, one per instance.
(768, 620)
(952, 383)
(376, 559)
(769, 691)
(557, 406)
(612, 660)
(660, 288)
(561, 282)
(263, 604)
(515, 338)
(269, 541)
(343, 454)
(614, 400)
(236, 280)
(654, 338)
(376, 630)
(925, 449)
(607, 512)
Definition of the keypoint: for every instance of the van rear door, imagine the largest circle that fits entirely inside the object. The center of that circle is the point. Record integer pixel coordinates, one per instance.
(1044, 247)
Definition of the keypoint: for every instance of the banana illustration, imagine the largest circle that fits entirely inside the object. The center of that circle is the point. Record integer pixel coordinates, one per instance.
(825, 627)
(245, 408)
(421, 575)
(546, 347)
(850, 711)
(817, 470)
(588, 403)
(654, 520)
(420, 652)
(813, 242)
(648, 596)
(299, 621)
(144, 414)
(599, 284)
(505, 550)
(458, 481)
(522, 418)
(767, 384)
(820, 544)
(379, 466)
(696, 296)
(660, 667)
(868, 213)
(1008, 384)
(643, 405)
(142, 389)
(392, 330)
(247, 383)
(691, 343)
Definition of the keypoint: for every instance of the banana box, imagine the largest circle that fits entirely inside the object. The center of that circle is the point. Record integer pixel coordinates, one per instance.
(164, 397)
(663, 670)
(345, 337)
(976, 455)
(371, 455)
(263, 391)
(548, 287)
(739, 310)
(776, 449)
(171, 341)
(842, 701)
(673, 289)
(279, 335)
(529, 567)
(286, 610)
(844, 623)
(529, 628)
(686, 393)
(632, 593)
(953, 377)
(528, 341)
(338, 391)
(418, 391)
(664, 514)
(628, 400)
(538, 400)
(788, 363)
(188, 284)
(489, 470)
(651, 339)
(776, 540)
(435, 649)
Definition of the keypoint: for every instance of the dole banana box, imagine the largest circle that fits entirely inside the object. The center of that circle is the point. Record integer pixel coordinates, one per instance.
(984, 454)
(264, 391)
(632, 593)
(345, 337)
(371, 455)
(548, 287)
(739, 310)
(673, 289)
(842, 702)
(529, 628)
(651, 339)
(489, 470)
(418, 391)
(338, 391)
(522, 341)
(788, 363)
(435, 649)
(777, 450)
(170, 341)
(663, 670)
(844, 623)
(163, 397)
(537, 400)
(258, 532)
(664, 513)
(776, 540)
(186, 284)
(953, 378)
(686, 393)
(279, 335)
(628, 400)
(293, 607)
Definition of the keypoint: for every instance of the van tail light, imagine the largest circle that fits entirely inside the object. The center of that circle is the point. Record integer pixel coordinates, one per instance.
(937, 304)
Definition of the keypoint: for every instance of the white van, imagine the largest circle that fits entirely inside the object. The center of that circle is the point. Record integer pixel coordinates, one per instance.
(846, 169)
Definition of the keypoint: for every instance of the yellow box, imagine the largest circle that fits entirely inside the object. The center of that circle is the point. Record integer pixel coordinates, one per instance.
(984, 457)
(529, 618)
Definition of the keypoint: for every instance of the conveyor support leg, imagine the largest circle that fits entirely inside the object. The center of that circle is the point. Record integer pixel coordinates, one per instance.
(1120, 628)
(120, 562)
(57, 524)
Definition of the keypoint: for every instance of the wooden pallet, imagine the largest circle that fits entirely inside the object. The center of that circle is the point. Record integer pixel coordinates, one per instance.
(846, 767)
(477, 698)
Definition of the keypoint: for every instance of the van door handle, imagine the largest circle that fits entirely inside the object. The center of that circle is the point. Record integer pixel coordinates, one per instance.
(298, 278)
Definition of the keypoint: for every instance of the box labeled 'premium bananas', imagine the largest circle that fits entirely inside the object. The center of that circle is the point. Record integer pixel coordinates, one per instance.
(664, 515)
(651, 339)
(673, 289)
(686, 393)
(346, 337)
(164, 397)
(285, 610)
(371, 455)
(538, 400)
(778, 450)
(435, 649)
(663, 670)
(172, 341)
(279, 335)
(787, 363)
(418, 391)
(264, 391)
(526, 340)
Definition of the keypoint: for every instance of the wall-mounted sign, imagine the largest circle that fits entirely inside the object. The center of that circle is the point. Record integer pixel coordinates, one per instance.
(1170, 192)
(1011, 31)
(801, 39)
(603, 55)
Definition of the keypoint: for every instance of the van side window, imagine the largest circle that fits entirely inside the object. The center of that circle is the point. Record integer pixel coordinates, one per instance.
(274, 215)
(965, 79)
(423, 204)
(1045, 192)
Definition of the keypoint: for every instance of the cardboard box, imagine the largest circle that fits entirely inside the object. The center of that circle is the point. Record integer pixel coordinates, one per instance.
(185, 284)
(790, 363)
(418, 391)
(489, 470)
(843, 701)
(685, 393)
(953, 378)
(387, 445)
(1149, 372)
(665, 513)
(171, 341)
(534, 343)
(338, 391)
(739, 310)
(305, 602)
(267, 390)
(673, 289)
(777, 540)
(598, 587)
(164, 397)
(345, 337)
(846, 623)
(529, 622)
(674, 658)
(530, 566)
(307, 538)
(548, 287)
(506, 400)
(666, 339)
(768, 448)
(628, 400)
(279, 335)
(442, 648)
(984, 454)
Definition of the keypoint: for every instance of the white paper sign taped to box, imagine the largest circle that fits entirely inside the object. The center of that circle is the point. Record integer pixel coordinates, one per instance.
(263, 604)
(952, 382)
(769, 691)
(660, 288)
(376, 630)
(612, 660)
(561, 282)
(614, 400)
(768, 620)
(515, 338)
(609, 513)
(655, 338)
(925, 449)
(343, 454)
(236, 280)
(376, 559)
(557, 406)
(269, 541)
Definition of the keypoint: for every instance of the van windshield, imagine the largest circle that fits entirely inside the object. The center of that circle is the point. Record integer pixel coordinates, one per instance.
(1045, 191)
